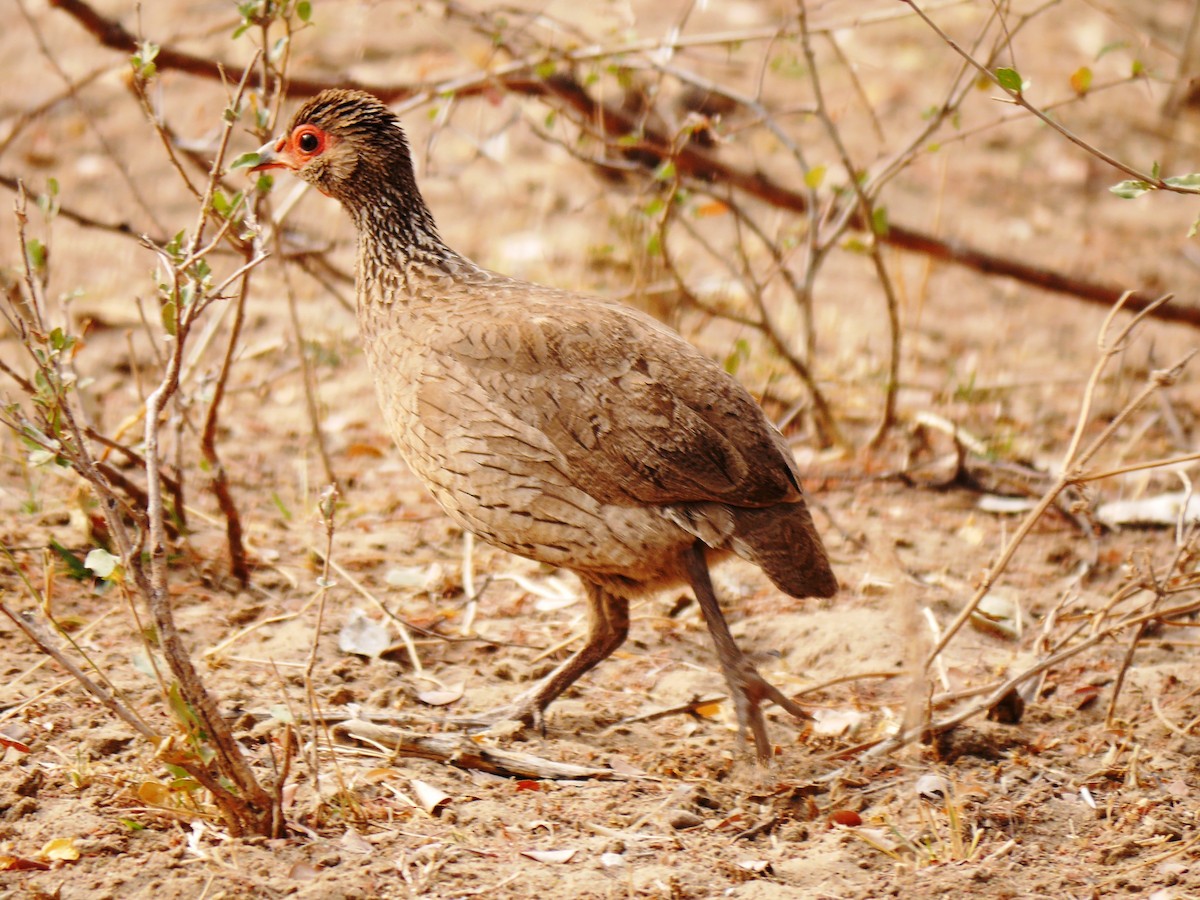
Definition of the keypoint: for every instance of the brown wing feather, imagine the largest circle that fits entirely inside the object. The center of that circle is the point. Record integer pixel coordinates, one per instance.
(638, 413)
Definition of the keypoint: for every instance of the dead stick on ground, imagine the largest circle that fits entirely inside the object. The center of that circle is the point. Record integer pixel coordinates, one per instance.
(464, 752)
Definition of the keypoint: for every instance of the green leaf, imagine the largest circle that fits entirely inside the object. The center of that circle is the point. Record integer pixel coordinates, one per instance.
(738, 355)
(303, 10)
(183, 712)
(1010, 79)
(142, 662)
(815, 177)
(201, 271)
(75, 569)
(1130, 189)
(879, 221)
(1195, 227)
(47, 202)
(143, 59)
(545, 69)
(60, 340)
(1190, 181)
(1081, 80)
(175, 246)
(35, 252)
(168, 317)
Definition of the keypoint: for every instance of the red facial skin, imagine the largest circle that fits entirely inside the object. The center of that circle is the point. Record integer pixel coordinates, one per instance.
(294, 151)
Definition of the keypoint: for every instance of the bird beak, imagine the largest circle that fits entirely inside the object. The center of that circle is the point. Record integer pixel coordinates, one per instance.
(271, 156)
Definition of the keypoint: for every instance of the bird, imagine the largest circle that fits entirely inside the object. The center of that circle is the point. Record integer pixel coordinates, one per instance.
(569, 429)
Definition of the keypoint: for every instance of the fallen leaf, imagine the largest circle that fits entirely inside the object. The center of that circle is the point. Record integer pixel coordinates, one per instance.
(836, 722)
(998, 613)
(354, 842)
(362, 635)
(360, 449)
(443, 696)
(621, 767)
(61, 849)
(1177, 788)
(995, 503)
(20, 863)
(1161, 509)
(708, 710)
(303, 871)
(152, 793)
(847, 817)
(431, 798)
(757, 866)
(932, 788)
(6, 741)
(554, 592)
(419, 577)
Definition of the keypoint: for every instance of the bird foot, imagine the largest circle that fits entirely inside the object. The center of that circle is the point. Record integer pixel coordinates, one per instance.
(749, 689)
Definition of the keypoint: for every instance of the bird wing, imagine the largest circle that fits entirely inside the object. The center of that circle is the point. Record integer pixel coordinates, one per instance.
(633, 413)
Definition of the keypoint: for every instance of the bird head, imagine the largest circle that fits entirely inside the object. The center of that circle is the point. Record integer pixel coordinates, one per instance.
(345, 143)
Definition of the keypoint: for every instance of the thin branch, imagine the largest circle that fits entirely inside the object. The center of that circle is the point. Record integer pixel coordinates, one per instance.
(695, 162)
(1018, 97)
(1071, 470)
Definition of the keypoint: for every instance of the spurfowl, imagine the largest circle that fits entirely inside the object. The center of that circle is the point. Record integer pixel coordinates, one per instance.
(563, 428)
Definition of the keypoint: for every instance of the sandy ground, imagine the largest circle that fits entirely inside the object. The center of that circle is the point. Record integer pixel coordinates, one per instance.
(1068, 802)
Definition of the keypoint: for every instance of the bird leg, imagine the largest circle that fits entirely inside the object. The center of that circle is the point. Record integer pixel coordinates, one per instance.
(748, 687)
(608, 625)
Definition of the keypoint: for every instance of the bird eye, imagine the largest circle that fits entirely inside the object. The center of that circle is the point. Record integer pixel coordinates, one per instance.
(308, 142)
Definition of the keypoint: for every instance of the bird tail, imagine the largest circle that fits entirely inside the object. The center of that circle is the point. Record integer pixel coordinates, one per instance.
(783, 541)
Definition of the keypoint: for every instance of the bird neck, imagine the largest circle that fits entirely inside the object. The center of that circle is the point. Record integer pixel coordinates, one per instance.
(401, 257)
(391, 211)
